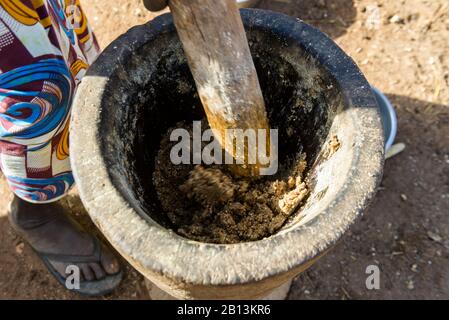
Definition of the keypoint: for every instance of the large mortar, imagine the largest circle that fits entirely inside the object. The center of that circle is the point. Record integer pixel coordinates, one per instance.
(141, 85)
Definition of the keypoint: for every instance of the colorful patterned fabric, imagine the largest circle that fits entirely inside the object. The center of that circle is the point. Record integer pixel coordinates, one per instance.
(45, 49)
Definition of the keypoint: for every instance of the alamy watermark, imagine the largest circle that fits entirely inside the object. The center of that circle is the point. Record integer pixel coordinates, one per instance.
(373, 280)
(249, 147)
(72, 281)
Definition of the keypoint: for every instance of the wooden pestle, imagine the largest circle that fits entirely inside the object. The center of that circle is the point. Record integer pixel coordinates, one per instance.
(215, 43)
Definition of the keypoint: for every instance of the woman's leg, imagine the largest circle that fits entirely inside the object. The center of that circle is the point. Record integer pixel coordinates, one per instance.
(45, 50)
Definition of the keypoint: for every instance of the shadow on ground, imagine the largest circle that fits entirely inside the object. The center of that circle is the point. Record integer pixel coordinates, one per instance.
(330, 16)
(406, 230)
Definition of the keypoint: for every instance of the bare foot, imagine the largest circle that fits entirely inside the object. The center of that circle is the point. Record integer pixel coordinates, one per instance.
(48, 230)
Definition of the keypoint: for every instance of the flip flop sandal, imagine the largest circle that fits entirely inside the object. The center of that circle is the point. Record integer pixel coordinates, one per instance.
(87, 288)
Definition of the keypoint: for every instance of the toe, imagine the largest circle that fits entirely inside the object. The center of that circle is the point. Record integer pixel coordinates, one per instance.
(88, 273)
(109, 262)
(98, 270)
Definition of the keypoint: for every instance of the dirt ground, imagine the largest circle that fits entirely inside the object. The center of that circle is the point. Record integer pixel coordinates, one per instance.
(402, 47)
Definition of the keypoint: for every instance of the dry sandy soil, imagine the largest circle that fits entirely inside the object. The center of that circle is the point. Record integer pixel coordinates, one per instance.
(402, 47)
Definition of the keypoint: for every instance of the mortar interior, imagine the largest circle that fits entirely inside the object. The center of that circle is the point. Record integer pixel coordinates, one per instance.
(154, 90)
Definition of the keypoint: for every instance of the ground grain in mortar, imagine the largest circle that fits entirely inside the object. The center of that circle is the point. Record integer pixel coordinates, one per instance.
(208, 204)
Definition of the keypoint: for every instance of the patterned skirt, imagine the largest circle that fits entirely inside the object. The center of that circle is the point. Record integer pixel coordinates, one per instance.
(45, 48)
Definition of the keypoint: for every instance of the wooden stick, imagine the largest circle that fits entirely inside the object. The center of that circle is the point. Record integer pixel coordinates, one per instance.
(218, 54)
